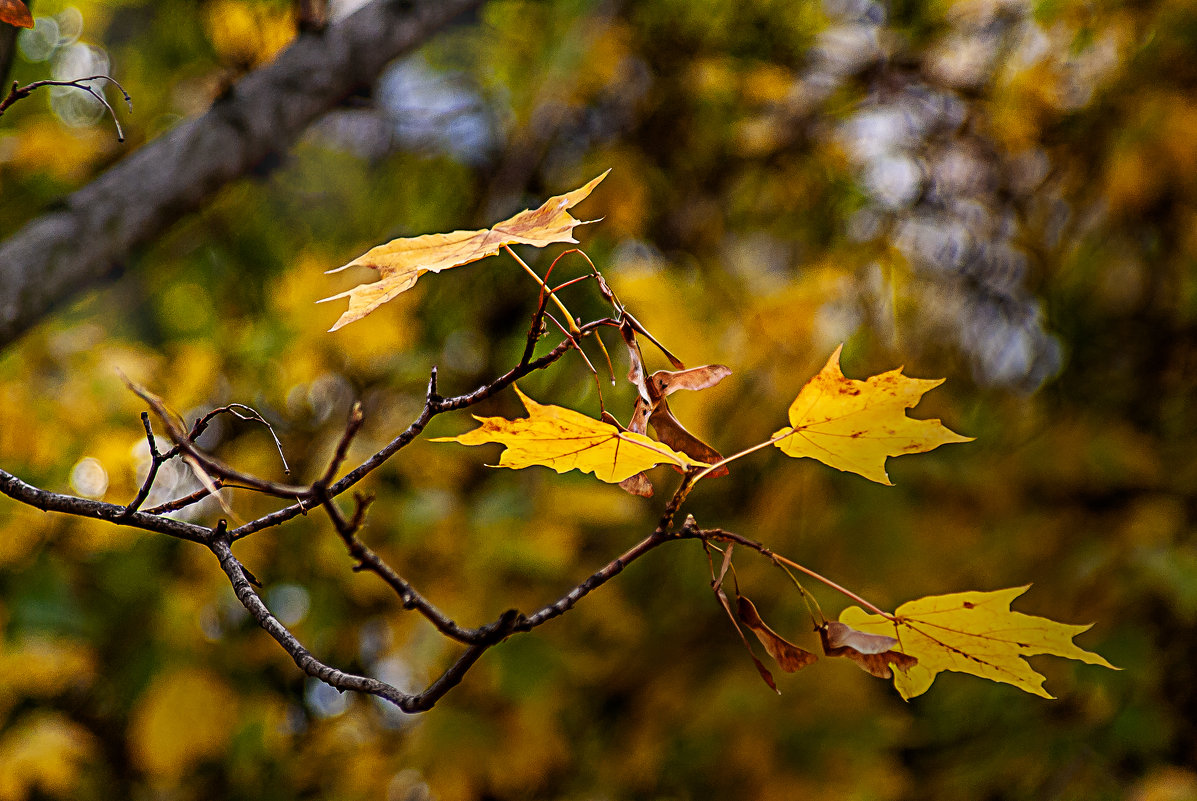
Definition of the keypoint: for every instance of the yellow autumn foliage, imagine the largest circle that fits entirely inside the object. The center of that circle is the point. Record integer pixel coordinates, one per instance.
(974, 633)
(185, 716)
(567, 440)
(44, 753)
(855, 425)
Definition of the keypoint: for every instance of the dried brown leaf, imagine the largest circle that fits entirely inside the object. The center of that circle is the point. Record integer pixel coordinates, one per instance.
(652, 408)
(839, 639)
(666, 383)
(788, 656)
(14, 12)
(721, 596)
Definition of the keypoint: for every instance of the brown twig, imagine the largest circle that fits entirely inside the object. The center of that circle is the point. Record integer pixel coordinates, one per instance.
(186, 500)
(691, 530)
(30, 495)
(18, 92)
(155, 462)
(368, 560)
(354, 424)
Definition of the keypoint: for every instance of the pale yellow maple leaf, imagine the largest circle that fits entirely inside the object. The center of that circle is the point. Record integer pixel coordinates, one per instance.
(567, 440)
(855, 425)
(975, 633)
(401, 262)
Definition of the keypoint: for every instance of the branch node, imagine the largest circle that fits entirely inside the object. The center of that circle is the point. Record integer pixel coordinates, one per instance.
(434, 398)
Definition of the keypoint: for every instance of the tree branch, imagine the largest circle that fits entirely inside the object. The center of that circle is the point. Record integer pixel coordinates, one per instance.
(59, 254)
(18, 490)
(434, 404)
(323, 492)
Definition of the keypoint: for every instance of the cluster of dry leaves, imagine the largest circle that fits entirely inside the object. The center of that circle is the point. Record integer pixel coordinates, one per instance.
(847, 424)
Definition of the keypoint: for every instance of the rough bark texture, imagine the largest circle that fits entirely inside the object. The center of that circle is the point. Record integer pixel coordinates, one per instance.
(60, 253)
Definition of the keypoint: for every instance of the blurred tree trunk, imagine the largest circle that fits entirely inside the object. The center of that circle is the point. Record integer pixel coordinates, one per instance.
(100, 226)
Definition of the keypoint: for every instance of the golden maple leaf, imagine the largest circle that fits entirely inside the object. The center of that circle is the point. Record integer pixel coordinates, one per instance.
(854, 425)
(567, 440)
(972, 632)
(401, 262)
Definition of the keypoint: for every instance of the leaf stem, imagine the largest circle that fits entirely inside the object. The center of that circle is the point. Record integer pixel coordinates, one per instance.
(716, 465)
(692, 530)
(842, 590)
(573, 327)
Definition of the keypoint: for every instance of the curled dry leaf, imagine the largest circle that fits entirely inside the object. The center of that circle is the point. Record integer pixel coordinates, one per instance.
(976, 633)
(721, 596)
(567, 440)
(401, 262)
(652, 408)
(854, 425)
(14, 12)
(788, 656)
(872, 652)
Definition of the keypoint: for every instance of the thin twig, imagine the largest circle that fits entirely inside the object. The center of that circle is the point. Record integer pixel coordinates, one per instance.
(187, 500)
(353, 425)
(155, 462)
(18, 92)
(370, 561)
(691, 530)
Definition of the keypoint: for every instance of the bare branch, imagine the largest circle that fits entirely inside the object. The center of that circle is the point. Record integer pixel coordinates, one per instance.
(367, 560)
(155, 462)
(18, 490)
(660, 536)
(351, 428)
(323, 492)
(434, 404)
(186, 500)
(303, 658)
(18, 92)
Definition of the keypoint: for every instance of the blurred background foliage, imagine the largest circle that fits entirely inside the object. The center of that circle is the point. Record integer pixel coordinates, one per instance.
(1001, 192)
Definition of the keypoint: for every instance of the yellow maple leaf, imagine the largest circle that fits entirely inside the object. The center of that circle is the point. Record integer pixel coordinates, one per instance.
(975, 633)
(401, 262)
(566, 440)
(854, 425)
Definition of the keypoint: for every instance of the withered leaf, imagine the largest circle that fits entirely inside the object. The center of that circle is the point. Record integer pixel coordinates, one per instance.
(721, 596)
(652, 408)
(788, 656)
(872, 652)
(14, 12)
(401, 262)
(837, 635)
